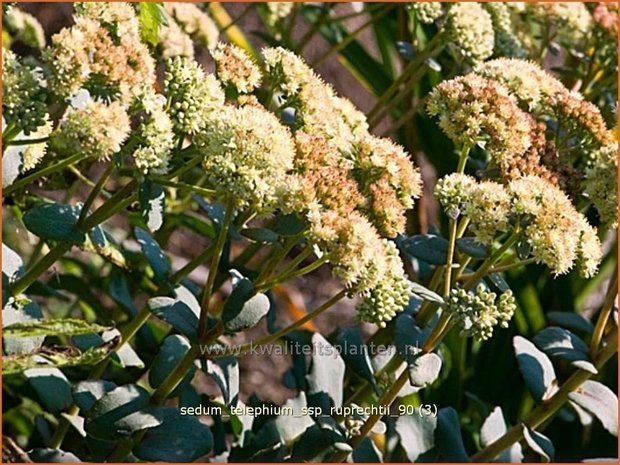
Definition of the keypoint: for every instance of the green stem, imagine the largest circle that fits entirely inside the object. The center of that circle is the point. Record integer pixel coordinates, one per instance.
(40, 140)
(489, 262)
(95, 191)
(215, 262)
(447, 281)
(192, 265)
(463, 159)
(603, 317)
(548, 408)
(209, 193)
(43, 172)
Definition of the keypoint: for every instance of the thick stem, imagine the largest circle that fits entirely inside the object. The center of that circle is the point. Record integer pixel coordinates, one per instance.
(95, 191)
(489, 262)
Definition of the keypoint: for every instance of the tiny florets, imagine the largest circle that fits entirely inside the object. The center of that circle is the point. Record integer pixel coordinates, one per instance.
(194, 96)
(507, 43)
(479, 312)
(473, 111)
(454, 192)
(247, 155)
(488, 209)
(97, 130)
(601, 185)
(236, 68)
(388, 179)
(552, 227)
(427, 12)
(155, 135)
(194, 21)
(572, 19)
(174, 42)
(23, 94)
(471, 31)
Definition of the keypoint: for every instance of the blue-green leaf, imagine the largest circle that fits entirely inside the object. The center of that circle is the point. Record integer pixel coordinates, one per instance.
(52, 386)
(113, 406)
(170, 354)
(599, 400)
(539, 443)
(572, 321)
(154, 254)
(55, 221)
(535, 367)
(430, 248)
(493, 428)
(327, 371)
(448, 437)
(243, 308)
(152, 204)
(178, 439)
(561, 343)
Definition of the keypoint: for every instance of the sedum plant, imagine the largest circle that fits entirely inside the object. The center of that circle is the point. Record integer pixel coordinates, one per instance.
(169, 186)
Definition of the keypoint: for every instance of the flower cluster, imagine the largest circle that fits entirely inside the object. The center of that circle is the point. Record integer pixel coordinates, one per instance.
(383, 172)
(235, 68)
(276, 11)
(506, 42)
(101, 52)
(336, 154)
(174, 42)
(572, 19)
(486, 205)
(193, 95)
(600, 184)
(557, 233)
(427, 12)
(155, 135)
(194, 22)
(23, 94)
(474, 110)
(470, 29)
(24, 27)
(479, 312)
(95, 129)
(605, 16)
(317, 108)
(247, 155)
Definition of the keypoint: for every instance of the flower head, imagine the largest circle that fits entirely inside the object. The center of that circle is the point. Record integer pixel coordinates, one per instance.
(453, 193)
(426, 12)
(236, 68)
(23, 94)
(601, 185)
(174, 42)
(507, 43)
(479, 312)
(473, 110)
(97, 130)
(247, 154)
(572, 19)
(194, 96)
(25, 28)
(194, 21)
(471, 31)
(102, 52)
(488, 209)
(277, 11)
(388, 178)
(155, 135)
(553, 228)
